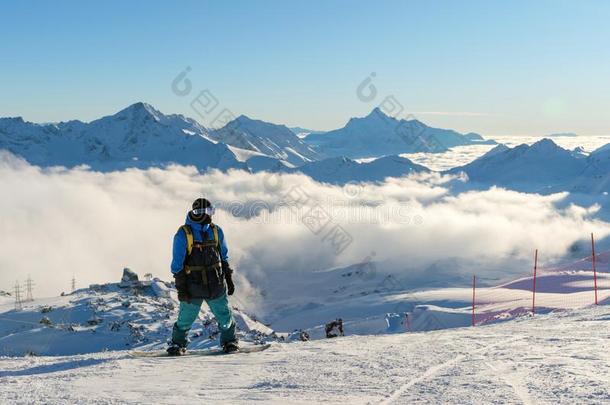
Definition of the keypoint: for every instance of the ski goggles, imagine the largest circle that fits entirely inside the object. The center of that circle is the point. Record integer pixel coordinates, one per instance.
(207, 210)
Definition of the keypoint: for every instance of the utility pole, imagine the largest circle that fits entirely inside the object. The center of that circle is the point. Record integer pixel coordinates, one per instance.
(73, 283)
(18, 301)
(28, 285)
(594, 267)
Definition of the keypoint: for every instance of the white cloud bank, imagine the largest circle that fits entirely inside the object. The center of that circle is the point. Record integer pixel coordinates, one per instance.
(58, 223)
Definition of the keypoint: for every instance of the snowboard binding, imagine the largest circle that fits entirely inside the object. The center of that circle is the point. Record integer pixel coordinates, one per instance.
(230, 347)
(176, 350)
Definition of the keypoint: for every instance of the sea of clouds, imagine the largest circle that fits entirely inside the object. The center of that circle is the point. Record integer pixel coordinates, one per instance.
(58, 223)
(461, 155)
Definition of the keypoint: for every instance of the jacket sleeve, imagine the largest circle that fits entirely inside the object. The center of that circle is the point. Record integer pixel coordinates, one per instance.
(178, 251)
(224, 250)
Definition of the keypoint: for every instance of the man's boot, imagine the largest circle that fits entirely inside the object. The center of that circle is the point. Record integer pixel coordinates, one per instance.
(230, 347)
(175, 349)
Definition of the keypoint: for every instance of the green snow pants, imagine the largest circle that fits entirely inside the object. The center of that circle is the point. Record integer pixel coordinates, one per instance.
(189, 311)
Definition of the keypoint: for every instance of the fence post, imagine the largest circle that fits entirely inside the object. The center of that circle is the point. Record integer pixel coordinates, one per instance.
(534, 286)
(474, 281)
(594, 267)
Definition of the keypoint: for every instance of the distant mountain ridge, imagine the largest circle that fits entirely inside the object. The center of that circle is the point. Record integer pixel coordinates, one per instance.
(541, 167)
(141, 136)
(137, 136)
(378, 134)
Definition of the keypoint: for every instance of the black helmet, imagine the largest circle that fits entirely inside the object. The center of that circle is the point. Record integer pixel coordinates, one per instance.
(201, 211)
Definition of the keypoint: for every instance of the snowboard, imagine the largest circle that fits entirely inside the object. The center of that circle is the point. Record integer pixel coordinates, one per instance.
(201, 352)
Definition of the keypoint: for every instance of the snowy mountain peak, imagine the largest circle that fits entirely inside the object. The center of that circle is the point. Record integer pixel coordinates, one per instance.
(11, 120)
(137, 136)
(379, 134)
(140, 111)
(498, 149)
(245, 123)
(377, 112)
(545, 149)
(545, 145)
(375, 118)
(245, 118)
(267, 138)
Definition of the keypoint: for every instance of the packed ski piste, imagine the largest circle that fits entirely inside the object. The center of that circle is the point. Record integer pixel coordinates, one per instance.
(105, 343)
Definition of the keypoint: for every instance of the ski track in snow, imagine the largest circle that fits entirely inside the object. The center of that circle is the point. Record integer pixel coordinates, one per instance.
(549, 359)
(433, 371)
(507, 373)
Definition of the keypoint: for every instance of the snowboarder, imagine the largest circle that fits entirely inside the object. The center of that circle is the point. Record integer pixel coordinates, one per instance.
(337, 325)
(202, 273)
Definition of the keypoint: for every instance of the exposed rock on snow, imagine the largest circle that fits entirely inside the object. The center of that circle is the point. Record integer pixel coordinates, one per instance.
(109, 317)
(130, 278)
(46, 321)
(160, 288)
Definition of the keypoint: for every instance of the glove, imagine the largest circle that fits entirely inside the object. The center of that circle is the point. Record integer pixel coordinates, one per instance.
(228, 272)
(182, 287)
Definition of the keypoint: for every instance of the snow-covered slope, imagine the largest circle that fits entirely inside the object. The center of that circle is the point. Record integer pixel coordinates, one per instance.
(393, 352)
(137, 136)
(370, 301)
(550, 359)
(596, 175)
(269, 139)
(378, 134)
(602, 150)
(543, 166)
(108, 317)
(264, 163)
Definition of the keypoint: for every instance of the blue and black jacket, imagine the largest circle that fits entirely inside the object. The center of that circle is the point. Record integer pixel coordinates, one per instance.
(179, 247)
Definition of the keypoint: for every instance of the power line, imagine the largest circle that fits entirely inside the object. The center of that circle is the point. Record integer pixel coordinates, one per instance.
(18, 300)
(29, 284)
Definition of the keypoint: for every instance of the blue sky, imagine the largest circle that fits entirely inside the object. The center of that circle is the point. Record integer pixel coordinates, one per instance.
(493, 67)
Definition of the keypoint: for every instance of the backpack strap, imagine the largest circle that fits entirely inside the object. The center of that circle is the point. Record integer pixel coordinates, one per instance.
(189, 238)
(216, 238)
